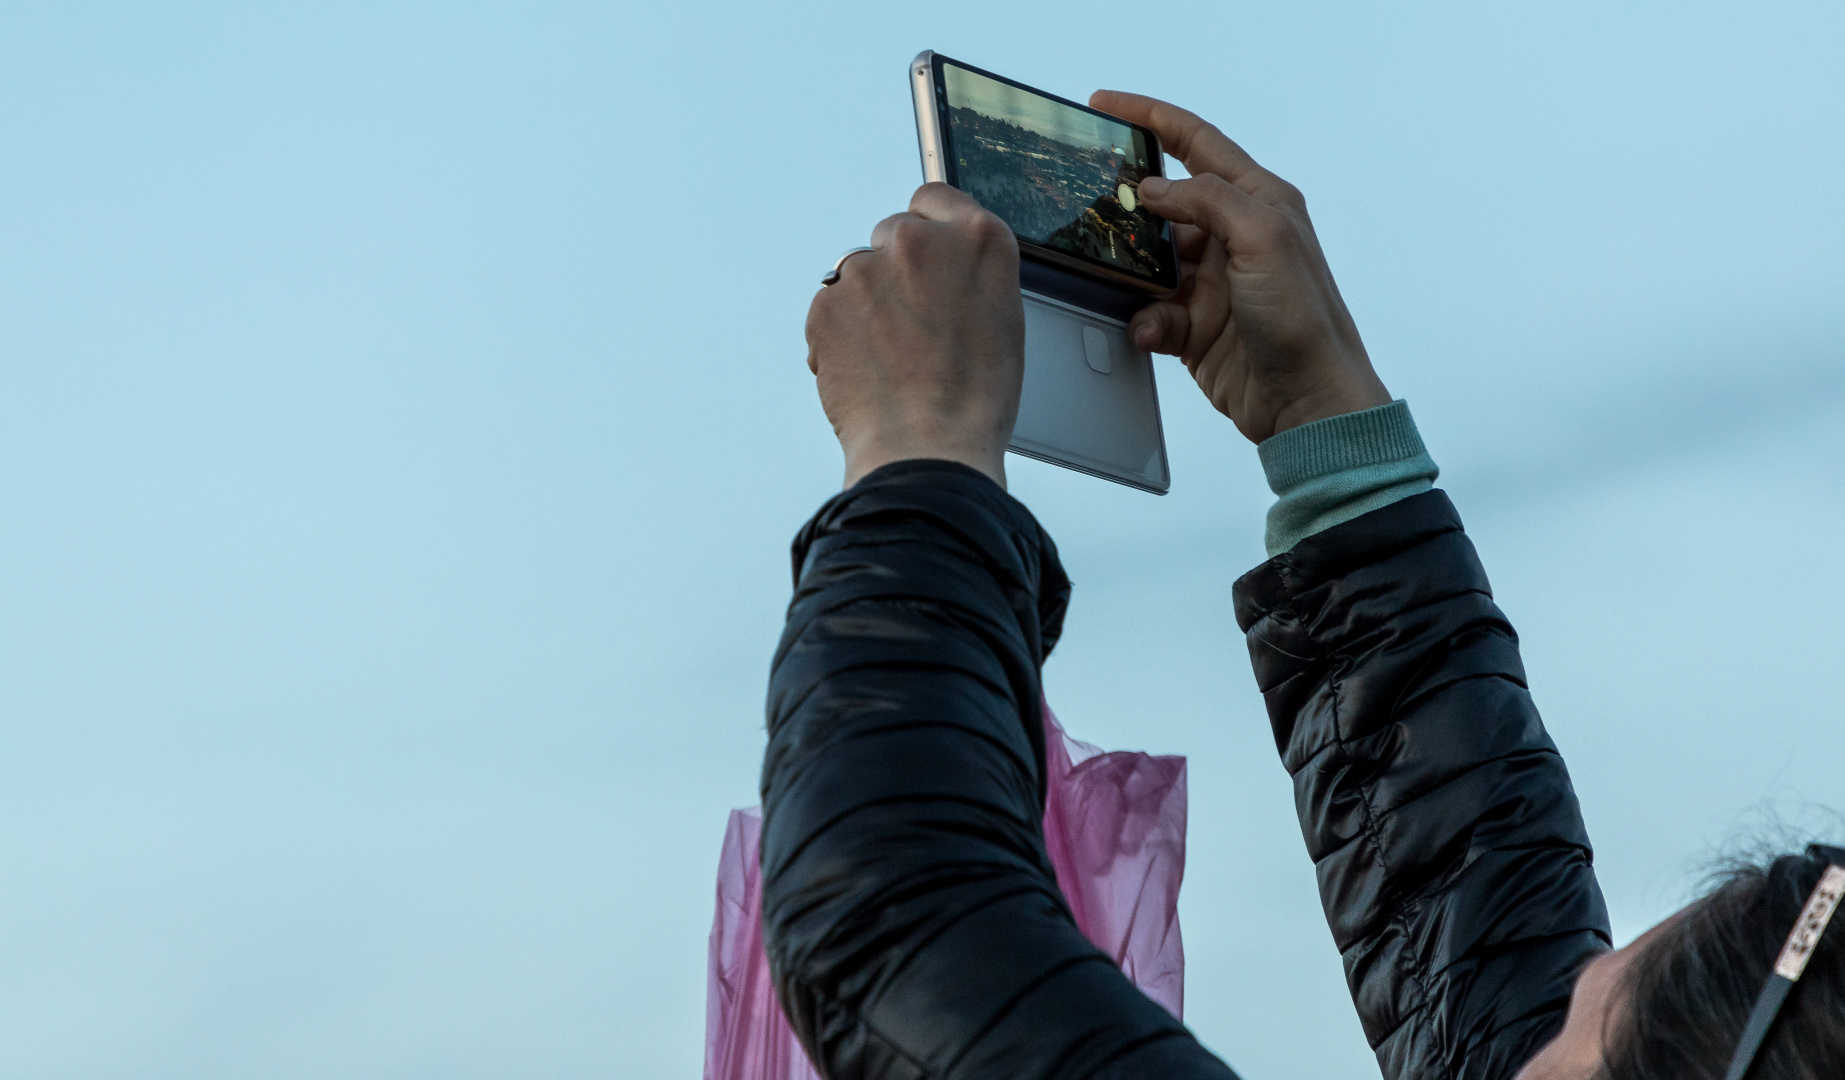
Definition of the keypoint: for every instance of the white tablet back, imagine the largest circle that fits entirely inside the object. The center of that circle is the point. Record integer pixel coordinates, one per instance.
(1089, 401)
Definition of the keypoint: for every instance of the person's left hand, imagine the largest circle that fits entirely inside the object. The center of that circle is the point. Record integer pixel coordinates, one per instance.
(1258, 321)
(919, 348)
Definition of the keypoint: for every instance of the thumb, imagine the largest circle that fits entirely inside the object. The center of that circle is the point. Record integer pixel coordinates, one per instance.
(1237, 219)
(1163, 326)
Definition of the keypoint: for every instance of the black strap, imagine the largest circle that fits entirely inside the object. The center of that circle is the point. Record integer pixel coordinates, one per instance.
(1774, 993)
(1761, 1018)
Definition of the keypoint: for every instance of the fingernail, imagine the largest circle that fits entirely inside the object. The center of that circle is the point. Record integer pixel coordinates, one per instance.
(1154, 186)
(1144, 337)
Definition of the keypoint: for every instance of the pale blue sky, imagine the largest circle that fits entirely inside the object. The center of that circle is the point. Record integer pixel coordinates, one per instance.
(403, 419)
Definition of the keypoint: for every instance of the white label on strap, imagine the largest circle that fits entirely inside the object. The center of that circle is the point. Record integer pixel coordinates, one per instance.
(1811, 924)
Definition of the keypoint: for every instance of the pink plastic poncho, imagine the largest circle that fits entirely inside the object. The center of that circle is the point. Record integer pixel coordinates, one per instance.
(1114, 825)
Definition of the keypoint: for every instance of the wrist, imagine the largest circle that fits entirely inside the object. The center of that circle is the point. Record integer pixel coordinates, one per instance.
(864, 456)
(1351, 391)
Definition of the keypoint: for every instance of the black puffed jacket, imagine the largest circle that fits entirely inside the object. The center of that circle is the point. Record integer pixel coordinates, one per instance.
(910, 913)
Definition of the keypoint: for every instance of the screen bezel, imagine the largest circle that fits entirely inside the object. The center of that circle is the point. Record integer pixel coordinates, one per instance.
(1165, 284)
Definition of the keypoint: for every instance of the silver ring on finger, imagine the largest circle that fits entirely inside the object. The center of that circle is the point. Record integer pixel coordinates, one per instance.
(838, 264)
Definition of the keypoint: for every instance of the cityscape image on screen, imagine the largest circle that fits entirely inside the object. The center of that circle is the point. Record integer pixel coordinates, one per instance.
(1061, 177)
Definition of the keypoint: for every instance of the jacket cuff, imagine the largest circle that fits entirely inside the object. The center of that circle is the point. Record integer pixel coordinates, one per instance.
(1333, 470)
(951, 472)
(967, 511)
(1296, 582)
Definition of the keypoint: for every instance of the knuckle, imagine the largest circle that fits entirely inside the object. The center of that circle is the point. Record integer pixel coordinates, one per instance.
(987, 228)
(1187, 127)
(1204, 131)
(1213, 201)
(1210, 186)
(904, 230)
(1273, 229)
(1290, 195)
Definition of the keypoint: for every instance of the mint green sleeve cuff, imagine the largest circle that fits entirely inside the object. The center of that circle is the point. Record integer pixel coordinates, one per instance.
(1332, 470)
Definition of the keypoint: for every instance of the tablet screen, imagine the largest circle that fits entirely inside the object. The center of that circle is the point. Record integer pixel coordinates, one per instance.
(1063, 176)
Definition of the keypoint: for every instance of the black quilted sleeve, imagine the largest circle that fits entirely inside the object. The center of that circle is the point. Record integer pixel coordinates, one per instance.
(1452, 860)
(910, 913)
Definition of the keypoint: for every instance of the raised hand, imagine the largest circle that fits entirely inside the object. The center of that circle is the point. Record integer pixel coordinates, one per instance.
(1258, 321)
(919, 347)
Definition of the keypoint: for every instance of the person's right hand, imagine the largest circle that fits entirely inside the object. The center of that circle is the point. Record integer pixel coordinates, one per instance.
(1258, 320)
(919, 349)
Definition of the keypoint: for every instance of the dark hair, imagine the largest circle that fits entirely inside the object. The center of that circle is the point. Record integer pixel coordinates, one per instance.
(1689, 991)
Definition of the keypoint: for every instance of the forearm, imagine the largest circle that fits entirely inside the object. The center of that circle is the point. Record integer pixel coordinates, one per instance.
(911, 915)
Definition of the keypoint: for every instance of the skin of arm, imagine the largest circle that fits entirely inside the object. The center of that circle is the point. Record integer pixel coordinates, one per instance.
(918, 350)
